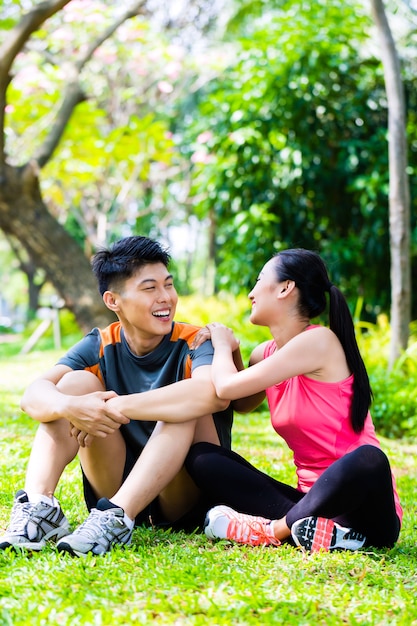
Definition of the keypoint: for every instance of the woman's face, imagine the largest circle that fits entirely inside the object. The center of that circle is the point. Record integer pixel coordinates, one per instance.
(263, 295)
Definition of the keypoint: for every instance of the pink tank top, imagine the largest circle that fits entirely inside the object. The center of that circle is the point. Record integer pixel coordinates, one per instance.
(313, 418)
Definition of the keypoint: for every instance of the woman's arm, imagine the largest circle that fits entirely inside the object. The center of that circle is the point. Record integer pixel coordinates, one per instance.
(240, 405)
(245, 405)
(316, 353)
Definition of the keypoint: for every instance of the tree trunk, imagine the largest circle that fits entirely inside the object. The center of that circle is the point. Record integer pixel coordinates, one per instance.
(24, 215)
(399, 193)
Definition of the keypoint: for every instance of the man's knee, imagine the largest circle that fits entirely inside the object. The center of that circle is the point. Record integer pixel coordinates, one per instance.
(79, 382)
(55, 437)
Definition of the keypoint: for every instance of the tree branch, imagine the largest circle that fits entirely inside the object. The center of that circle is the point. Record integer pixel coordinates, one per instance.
(133, 11)
(19, 35)
(74, 94)
(11, 47)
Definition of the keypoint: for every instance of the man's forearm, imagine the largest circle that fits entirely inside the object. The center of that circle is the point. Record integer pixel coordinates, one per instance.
(179, 402)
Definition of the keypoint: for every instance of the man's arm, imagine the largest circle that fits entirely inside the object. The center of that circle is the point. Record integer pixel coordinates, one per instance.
(178, 402)
(84, 407)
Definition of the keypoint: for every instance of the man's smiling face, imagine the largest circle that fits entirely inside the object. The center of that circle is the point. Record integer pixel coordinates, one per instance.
(147, 302)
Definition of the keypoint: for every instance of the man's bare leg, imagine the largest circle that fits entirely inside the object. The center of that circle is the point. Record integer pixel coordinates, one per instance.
(36, 516)
(54, 447)
(103, 464)
(182, 494)
(159, 470)
(160, 462)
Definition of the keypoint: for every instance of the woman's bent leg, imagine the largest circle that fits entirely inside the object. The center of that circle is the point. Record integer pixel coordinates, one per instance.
(227, 478)
(356, 491)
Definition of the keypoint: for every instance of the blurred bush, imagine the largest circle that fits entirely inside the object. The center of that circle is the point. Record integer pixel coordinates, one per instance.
(233, 311)
(394, 408)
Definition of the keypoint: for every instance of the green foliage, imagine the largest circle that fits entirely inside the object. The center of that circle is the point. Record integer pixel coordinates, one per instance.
(284, 145)
(289, 148)
(116, 151)
(10, 13)
(394, 409)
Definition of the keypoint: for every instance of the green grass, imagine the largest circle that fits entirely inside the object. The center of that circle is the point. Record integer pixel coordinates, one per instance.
(174, 578)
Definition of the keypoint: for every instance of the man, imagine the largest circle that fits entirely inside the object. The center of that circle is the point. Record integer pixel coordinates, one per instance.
(129, 400)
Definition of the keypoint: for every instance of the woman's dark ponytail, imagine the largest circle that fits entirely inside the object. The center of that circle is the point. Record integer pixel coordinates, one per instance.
(341, 323)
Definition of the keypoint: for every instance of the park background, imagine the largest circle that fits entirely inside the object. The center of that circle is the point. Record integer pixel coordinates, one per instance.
(229, 131)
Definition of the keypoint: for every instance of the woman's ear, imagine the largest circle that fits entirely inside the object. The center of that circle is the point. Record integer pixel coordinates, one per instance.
(286, 288)
(110, 301)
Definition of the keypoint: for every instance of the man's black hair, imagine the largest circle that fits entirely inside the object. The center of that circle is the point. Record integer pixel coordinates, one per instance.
(114, 265)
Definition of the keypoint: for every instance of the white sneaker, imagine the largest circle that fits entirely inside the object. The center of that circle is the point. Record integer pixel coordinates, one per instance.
(33, 524)
(103, 529)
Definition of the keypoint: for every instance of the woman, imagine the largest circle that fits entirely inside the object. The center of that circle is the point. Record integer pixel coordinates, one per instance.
(319, 395)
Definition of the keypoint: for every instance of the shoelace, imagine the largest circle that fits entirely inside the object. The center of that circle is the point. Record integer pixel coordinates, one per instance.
(253, 532)
(103, 519)
(20, 516)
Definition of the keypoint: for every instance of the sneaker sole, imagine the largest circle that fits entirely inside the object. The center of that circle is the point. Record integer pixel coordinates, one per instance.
(35, 546)
(64, 547)
(315, 534)
(29, 546)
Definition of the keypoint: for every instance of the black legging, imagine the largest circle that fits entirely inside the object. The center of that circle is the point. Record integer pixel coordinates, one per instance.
(355, 491)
